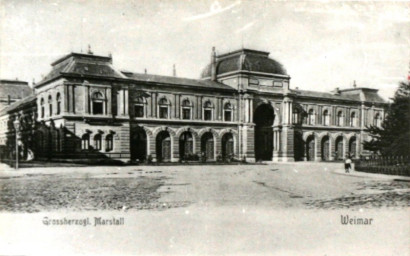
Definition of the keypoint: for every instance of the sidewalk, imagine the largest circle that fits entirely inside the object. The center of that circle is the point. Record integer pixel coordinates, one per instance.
(371, 175)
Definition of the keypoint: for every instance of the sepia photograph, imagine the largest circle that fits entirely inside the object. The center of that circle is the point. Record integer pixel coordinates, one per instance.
(206, 127)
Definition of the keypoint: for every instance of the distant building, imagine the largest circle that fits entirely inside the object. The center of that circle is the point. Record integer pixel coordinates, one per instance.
(12, 91)
(242, 107)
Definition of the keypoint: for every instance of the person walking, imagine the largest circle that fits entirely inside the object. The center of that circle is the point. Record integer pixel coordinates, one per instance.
(348, 164)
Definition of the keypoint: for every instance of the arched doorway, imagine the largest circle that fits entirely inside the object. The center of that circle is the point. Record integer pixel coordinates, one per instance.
(310, 148)
(352, 147)
(207, 145)
(186, 145)
(299, 147)
(227, 146)
(138, 145)
(263, 119)
(325, 148)
(339, 148)
(163, 146)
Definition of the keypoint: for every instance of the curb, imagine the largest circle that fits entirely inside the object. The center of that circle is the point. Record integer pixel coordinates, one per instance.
(373, 175)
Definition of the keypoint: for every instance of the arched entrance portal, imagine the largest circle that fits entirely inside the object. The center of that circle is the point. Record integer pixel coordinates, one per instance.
(310, 148)
(325, 148)
(263, 119)
(299, 147)
(352, 147)
(339, 148)
(139, 145)
(207, 145)
(163, 145)
(186, 145)
(227, 146)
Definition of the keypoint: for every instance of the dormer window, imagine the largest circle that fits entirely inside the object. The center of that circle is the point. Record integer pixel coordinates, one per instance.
(98, 103)
(163, 105)
(186, 110)
(228, 112)
(208, 111)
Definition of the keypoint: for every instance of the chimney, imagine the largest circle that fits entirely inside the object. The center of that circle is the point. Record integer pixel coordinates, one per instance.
(336, 91)
(174, 70)
(354, 83)
(110, 56)
(213, 64)
(145, 71)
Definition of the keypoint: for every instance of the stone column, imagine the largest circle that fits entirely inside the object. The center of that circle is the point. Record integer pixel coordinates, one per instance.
(318, 150)
(65, 99)
(109, 101)
(87, 109)
(126, 108)
(175, 149)
(331, 148)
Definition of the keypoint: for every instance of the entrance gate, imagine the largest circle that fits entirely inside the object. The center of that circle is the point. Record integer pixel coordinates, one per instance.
(263, 118)
(310, 148)
(163, 144)
(339, 148)
(207, 146)
(325, 148)
(227, 146)
(138, 145)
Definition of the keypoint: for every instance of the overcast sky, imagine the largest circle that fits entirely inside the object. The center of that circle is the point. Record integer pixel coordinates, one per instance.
(322, 45)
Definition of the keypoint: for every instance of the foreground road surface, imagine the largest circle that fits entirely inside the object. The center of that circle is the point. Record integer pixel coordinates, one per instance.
(286, 209)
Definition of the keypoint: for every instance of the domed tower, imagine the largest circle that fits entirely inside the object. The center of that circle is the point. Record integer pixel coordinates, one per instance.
(246, 69)
(264, 100)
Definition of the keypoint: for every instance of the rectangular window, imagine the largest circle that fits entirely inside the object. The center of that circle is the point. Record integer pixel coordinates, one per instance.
(97, 108)
(139, 111)
(228, 116)
(186, 113)
(207, 114)
(163, 112)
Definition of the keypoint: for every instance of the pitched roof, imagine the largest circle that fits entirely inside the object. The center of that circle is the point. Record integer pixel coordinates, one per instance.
(177, 81)
(16, 105)
(16, 89)
(370, 95)
(82, 64)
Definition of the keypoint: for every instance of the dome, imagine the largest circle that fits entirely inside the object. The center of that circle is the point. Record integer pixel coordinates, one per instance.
(246, 60)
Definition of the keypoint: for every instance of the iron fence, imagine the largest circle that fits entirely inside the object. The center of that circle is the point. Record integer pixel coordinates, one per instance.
(392, 165)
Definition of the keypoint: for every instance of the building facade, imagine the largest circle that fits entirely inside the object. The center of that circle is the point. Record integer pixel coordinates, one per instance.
(242, 107)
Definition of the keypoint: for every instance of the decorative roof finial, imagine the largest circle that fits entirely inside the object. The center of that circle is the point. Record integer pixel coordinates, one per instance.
(89, 50)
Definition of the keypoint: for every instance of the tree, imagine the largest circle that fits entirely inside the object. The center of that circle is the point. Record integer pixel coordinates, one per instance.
(393, 137)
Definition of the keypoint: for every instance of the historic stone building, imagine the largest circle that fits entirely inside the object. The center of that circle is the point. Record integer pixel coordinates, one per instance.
(241, 107)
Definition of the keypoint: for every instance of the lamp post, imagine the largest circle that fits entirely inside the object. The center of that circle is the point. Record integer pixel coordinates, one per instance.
(16, 124)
